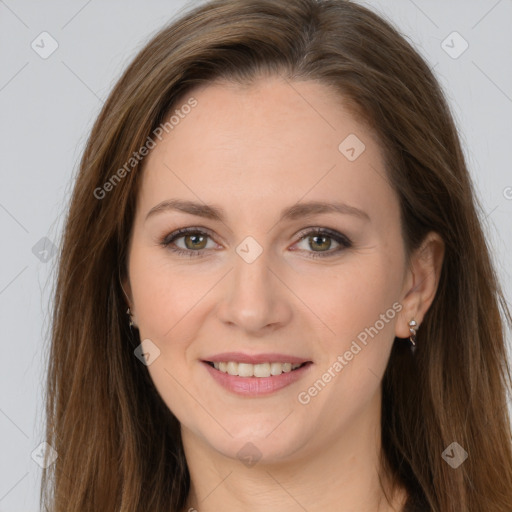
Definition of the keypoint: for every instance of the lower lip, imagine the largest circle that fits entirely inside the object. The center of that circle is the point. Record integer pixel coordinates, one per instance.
(256, 386)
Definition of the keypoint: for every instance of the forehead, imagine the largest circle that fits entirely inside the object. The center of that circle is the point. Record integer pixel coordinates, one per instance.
(273, 141)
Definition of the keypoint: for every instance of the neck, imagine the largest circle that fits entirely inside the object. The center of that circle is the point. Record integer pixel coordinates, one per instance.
(339, 474)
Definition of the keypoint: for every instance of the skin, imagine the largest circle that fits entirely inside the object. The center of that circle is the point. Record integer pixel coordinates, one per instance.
(254, 150)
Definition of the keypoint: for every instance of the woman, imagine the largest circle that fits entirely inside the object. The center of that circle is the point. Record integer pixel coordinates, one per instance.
(276, 194)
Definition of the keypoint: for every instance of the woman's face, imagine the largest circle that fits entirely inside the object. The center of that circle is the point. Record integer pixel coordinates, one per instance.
(256, 167)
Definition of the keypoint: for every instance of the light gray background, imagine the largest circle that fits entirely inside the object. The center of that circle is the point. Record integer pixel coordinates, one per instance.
(48, 106)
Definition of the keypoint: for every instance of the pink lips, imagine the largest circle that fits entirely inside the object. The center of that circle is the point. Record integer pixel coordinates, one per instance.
(256, 386)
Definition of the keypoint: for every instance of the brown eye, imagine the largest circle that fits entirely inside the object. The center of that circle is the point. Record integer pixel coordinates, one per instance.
(195, 242)
(320, 241)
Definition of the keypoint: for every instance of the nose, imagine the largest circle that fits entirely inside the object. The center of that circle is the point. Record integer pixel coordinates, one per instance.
(255, 296)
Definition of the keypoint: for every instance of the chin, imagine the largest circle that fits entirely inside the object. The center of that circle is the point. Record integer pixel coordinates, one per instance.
(255, 441)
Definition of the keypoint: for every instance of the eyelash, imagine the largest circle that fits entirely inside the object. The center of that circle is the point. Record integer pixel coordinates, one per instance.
(344, 242)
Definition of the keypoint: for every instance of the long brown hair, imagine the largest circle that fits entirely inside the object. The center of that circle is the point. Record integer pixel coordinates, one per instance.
(119, 447)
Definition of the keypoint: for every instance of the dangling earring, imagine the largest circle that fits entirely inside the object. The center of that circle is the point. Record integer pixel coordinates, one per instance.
(131, 324)
(412, 337)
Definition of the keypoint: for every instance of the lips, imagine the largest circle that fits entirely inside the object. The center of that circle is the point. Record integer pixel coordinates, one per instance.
(255, 375)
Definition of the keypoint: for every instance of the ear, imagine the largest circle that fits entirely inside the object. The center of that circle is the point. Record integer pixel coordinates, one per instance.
(421, 282)
(127, 289)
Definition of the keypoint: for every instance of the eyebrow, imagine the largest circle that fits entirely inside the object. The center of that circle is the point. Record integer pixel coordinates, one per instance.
(293, 212)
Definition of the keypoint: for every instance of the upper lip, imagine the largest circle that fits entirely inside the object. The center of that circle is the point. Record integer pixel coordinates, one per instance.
(240, 357)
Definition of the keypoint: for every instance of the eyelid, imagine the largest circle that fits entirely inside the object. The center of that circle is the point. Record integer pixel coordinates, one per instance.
(170, 238)
(333, 233)
(341, 239)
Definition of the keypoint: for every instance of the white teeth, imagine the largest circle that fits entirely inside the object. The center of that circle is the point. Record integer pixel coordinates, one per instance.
(232, 368)
(245, 370)
(262, 370)
(255, 370)
(276, 368)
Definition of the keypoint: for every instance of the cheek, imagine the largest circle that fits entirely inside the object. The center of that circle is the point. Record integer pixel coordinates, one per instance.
(166, 299)
(353, 298)
(360, 309)
(163, 294)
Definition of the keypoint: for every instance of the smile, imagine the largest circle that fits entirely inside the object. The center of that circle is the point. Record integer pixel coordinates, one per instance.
(255, 379)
